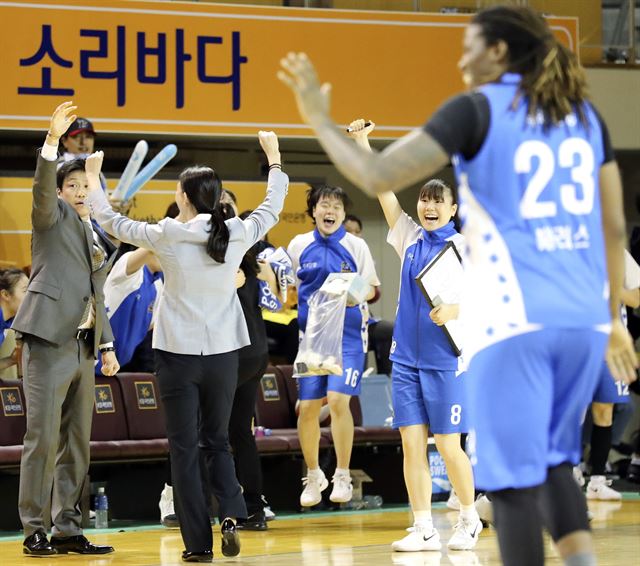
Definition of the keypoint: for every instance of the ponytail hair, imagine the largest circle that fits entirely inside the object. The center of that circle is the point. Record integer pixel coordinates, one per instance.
(553, 82)
(203, 189)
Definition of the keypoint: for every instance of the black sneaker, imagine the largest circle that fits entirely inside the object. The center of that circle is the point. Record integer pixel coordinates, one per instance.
(255, 522)
(633, 473)
(230, 538)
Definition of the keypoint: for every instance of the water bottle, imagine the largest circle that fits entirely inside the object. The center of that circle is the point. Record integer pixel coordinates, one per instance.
(102, 509)
(372, 501)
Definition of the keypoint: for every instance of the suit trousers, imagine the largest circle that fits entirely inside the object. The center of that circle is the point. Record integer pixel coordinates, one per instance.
(197, 393)
(242, 439)
(59, 391)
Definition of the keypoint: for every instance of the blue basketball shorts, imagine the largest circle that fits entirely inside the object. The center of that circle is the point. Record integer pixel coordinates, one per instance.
(528, 397)
(610, 391)
(435, 398)
(316, 386)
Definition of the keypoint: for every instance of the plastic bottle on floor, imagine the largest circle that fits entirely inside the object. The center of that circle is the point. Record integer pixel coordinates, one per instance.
(102, 509)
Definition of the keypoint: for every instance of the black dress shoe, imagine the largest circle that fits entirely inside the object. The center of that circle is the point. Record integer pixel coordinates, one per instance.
(205, 556)
(255, 522)
(78, 544)
(230, 538)
(38, 545)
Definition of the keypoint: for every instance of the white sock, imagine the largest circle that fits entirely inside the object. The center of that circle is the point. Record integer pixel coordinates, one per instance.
(468, 512)
(422, 519)
(343, 472)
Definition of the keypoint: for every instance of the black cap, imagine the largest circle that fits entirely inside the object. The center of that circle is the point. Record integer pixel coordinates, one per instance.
(80, 125)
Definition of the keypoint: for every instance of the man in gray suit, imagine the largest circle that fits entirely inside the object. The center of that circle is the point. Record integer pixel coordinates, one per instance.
(63, 325)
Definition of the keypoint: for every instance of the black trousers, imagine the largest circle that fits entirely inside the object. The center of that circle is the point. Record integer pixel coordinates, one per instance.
(241, 436)
(197, 393)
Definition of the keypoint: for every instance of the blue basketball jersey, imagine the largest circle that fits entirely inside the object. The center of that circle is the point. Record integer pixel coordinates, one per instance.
(530, 200)
(417, 341)
(314, 257)
(130, 301)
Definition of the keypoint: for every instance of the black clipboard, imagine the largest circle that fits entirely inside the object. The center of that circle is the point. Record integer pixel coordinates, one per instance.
(430, 288)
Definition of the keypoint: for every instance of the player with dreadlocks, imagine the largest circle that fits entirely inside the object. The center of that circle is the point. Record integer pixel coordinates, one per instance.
(541, 195)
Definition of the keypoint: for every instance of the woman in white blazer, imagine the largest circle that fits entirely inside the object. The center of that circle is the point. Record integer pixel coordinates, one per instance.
(200, 327)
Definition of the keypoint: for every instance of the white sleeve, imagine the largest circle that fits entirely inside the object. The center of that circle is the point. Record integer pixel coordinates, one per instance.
(631, 272)
(294, 253)
(49, 152)
(265, 216)
(366, 265)
(141, 234)
(403, 234)
(118, 285)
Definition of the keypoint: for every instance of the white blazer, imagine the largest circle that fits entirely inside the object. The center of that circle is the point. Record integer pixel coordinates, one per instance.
(199, 312)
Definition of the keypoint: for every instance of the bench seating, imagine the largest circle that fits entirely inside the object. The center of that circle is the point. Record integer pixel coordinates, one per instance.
(129, 422)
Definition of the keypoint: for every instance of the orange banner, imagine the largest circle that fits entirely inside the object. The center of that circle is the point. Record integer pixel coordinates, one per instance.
(207, 69)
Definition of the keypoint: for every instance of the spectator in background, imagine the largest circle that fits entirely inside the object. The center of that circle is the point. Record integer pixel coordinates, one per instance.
(13, 288)
(353, 225)
(253, 361)
(78, 142)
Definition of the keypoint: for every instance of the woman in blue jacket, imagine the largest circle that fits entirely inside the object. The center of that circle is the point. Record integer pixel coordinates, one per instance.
(429, 390)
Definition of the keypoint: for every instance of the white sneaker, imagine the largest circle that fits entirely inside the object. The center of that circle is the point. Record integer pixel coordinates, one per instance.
(419, 539)
(453, 502)
(598, 488)
(342, 489)
(168, 516)
(484, 507)
(578, 475)
(465, 534)
(314, 484)
(269, 515)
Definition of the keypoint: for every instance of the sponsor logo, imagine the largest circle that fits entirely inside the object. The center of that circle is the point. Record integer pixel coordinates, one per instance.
(146, 395)
(104, 399)
(269, 387)
(12, 402)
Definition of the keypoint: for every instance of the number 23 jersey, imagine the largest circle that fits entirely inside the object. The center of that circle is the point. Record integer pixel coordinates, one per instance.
(530, 203)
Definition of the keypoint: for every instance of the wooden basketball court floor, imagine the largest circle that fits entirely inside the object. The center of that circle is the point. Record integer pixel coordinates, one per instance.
(345, 538)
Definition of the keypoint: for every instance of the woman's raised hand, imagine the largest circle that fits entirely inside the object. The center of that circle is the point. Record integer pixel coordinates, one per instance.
(270, 146)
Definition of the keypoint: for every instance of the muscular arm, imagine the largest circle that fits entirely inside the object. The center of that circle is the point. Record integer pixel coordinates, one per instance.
(621, 357)
(630, 297)
(388, 201)
(406, 161)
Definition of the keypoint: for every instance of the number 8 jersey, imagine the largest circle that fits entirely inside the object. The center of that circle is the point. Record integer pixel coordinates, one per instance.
(530, 204)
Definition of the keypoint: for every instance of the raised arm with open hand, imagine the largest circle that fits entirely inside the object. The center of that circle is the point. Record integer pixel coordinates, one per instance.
(61, 119)
(406, 161)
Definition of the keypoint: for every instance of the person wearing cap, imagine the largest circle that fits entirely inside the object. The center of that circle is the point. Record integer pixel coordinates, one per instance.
(78, 142)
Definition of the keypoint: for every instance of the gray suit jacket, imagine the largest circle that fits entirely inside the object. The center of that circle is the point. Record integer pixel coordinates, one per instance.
(199, 311)
(61, 280)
